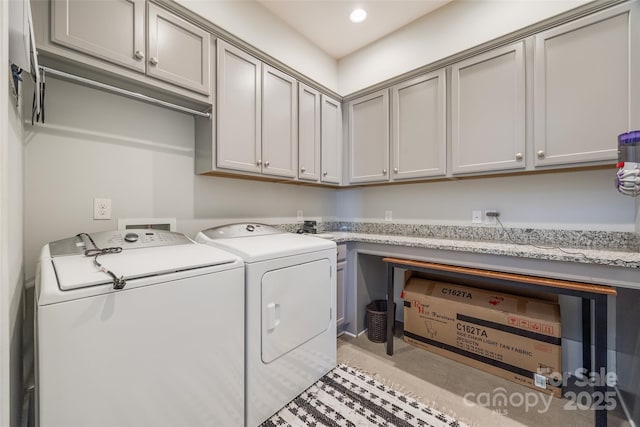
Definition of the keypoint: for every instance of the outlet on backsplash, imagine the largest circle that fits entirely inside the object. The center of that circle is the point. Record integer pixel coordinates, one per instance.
(388, 216)
(476, 217)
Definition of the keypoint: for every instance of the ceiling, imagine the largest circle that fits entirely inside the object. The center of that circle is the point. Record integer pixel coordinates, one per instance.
(326, 22)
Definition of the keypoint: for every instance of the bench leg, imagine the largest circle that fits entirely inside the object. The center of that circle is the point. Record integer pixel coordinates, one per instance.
(586, 334)
(600, 355)
(390, 314)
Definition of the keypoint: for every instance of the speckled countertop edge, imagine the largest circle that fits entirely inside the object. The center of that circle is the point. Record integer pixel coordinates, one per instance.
(620, 249)
(580, 239)
(586, 256)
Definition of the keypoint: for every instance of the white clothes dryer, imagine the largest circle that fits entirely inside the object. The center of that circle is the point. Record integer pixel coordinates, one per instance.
(290, 333)
(138, 328)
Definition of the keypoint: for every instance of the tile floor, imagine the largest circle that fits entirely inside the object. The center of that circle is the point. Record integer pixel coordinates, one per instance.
(443, 384)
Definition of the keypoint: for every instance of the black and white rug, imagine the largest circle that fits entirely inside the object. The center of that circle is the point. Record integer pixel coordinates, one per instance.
(347, 397)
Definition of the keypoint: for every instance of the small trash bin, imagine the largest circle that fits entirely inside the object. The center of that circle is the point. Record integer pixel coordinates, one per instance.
(377, 320)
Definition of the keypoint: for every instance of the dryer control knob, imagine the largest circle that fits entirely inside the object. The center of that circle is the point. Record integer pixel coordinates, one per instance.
(251, 227)
(131, 237)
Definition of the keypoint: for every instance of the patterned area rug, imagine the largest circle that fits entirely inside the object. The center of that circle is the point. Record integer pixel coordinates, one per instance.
(346, 397)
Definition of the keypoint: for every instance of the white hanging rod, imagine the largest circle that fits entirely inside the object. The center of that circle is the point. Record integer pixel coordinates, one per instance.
(124, 92)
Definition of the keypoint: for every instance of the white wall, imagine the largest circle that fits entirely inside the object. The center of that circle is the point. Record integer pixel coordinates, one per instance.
(257, 26)
(11, 241)
(4, 283)
(455, 27)
(637, 214)
(571, 200)
(96, 144)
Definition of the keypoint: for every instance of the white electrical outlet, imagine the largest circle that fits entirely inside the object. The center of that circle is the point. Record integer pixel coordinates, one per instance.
(388, 215)
(101, 208)
(476, 217)
(300, 215)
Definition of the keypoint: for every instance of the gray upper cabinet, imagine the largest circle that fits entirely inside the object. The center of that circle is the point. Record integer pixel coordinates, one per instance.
(488, 111)
(418, 123)
(309, 127)
(331, 141)
(257, 116)
(162, 46)
(319, 137)
(368, 121)
(279, 123)
(110, 30)
(178, 51)
(239, 110)
(582, 93)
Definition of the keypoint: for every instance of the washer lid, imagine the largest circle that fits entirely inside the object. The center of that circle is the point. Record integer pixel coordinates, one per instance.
(243, 229)
(259, 248)
(144, 257)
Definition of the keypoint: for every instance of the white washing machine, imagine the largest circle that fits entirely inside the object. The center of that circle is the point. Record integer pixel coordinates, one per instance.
(151, 334)
(290, 311)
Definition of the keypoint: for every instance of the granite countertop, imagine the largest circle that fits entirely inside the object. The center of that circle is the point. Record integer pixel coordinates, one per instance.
(627, 259)
(607, 248)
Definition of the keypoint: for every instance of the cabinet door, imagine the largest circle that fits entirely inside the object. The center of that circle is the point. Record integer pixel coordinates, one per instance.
(488, 111)
(331, 137)
(308, 133)
(341, 303)
(178, 51)
(110, 30)
(418, 121)
(582, 93)
(279, 123)
(239, 109)
(369, 138)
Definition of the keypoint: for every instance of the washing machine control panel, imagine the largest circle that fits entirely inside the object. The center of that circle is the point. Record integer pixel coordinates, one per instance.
(126, 239)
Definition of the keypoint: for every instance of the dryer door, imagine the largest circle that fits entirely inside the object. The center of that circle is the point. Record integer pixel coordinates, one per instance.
(296, 306)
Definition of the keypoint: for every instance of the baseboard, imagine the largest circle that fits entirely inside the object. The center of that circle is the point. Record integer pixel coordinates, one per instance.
(572, 356)
(625, 408)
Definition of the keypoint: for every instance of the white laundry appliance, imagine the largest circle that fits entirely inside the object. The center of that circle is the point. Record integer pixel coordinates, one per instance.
(290, 311)
(139, 328)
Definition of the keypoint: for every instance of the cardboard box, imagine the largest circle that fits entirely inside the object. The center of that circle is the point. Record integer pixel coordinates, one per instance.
(510, 336)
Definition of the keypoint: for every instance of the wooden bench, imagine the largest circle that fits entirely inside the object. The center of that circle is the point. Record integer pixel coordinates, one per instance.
(586, 291)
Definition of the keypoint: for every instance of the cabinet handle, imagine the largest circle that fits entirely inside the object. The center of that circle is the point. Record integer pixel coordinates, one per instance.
(266, 164)
(384, 171)
(139, 55)
(395, 170)
(324, 173)
(259, 162)
(153, 60)
(519, 156)
(541, 154)
(303, 169)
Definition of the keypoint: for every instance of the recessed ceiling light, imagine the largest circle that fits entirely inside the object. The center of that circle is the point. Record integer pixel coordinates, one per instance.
(358, 15)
